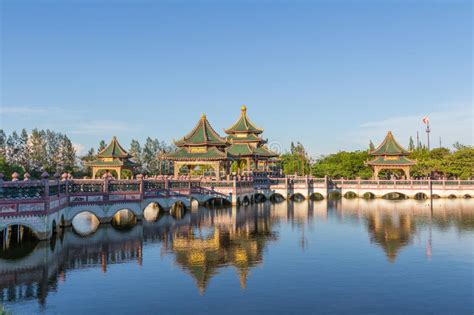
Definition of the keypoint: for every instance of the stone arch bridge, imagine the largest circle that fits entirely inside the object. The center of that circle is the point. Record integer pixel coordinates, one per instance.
(46, 204)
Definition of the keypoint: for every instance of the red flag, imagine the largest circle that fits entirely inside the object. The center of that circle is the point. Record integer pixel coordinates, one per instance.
(426, 120)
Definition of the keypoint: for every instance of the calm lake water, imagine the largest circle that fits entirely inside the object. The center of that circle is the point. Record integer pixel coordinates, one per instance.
(349, 256)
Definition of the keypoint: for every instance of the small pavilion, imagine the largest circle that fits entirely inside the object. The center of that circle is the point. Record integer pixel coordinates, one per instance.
(112, 158)
(390, 155)
(201, 147)
(246, 143)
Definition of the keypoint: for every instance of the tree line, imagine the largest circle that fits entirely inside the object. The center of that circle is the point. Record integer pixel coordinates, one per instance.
(53, 152)
(40, 151)
(457, 163)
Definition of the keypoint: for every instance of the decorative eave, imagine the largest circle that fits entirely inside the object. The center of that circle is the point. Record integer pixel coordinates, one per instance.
(113, 150)
(249, 138)
(243, 124)
(113, 163)
(396, 161)
(212, 154)
(202, 135)
(389, 146)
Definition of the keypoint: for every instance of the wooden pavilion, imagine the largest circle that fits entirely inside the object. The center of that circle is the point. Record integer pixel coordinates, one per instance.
(246, 143)
(201, 147)
(112, 158)
(390, 155)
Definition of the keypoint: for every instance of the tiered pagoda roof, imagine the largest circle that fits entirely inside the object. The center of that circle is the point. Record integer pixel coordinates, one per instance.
(113, 155)
(202, 143)
(202, 135)
(390, 153)
(243, 125)
(245, 139)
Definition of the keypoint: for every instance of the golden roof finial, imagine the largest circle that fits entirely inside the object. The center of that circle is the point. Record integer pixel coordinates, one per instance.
(243, 109)
(203, 116)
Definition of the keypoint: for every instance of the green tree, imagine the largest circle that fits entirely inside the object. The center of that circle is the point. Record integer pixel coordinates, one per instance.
(37, 152)
(3, 142)
(102, 146)
(137, 155)
(151, 165)
(343, 165)
(66, 155)
(8, 169)
(411, 144)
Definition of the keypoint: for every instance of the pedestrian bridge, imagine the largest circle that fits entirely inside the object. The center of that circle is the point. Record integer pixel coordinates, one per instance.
(45, 205)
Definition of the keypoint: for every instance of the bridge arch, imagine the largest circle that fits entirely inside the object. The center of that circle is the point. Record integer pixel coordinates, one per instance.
(435, 196)
(152, 211)
(334, 195)
(421, 196)
(259, 197)
(135, 208)
(96, 210)
(297, 197)
(395, 196)
(452, 196)
(54, 229)
(368, 195)
(85, 222)
(276, 197)
(178, 210)
(467, 196)
(31, 227)
(245, 201)
(124, 219)
(350, 195)
(14, 235)
(316, 197)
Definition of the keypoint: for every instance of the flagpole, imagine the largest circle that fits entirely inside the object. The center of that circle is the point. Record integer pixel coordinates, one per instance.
(428, 130)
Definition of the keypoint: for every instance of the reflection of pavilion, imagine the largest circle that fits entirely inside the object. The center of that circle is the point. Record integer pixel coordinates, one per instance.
(392, 224)
(202, 256)
(392, 233)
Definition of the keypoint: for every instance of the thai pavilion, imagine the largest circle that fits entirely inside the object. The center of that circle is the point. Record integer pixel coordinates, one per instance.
(112, 158)
(201, 147)
(390, 155)
(247, 144)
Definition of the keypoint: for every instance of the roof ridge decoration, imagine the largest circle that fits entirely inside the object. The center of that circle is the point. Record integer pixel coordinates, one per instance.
(243, 124)
(389, 146)
(202, 135)
(114, 150)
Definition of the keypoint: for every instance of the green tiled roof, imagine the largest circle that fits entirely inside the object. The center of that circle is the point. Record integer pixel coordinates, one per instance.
(114, 149)
(245, 150)
(264, 151)
(212, 154)
(401, 160)
(389, 146)
(240, 149)
(202, 135)
(243, 125)
(250, 137)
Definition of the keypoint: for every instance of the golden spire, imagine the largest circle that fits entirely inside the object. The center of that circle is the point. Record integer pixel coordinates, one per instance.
(203, 117)
(243, 109)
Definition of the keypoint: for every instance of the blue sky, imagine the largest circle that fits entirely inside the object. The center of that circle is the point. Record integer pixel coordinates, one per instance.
(329, 74)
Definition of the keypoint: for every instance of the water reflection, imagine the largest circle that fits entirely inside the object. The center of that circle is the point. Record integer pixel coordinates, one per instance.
(205, 242)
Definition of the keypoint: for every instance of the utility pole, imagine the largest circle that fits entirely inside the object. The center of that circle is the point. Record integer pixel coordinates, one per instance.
(440, 142)
(418, 140)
